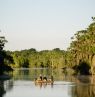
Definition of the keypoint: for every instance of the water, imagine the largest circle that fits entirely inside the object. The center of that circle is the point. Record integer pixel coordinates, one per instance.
(22, 85)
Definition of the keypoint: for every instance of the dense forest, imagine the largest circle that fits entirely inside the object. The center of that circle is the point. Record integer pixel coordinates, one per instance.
(80, 56)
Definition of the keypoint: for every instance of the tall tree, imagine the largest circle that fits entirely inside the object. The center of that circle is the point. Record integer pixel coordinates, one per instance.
(4, 56)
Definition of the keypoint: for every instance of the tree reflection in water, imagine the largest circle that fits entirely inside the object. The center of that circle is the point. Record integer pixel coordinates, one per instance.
(83, 91)
(5, 86)
(2, 90)
(85, 87)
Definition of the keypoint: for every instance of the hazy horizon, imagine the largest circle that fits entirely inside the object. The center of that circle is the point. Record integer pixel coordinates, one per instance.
(43, 24)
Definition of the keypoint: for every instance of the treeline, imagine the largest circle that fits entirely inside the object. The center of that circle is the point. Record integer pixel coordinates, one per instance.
(80, 56)
(31, 58)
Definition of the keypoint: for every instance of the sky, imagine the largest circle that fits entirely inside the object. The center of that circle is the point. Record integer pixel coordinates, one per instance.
(43, 24)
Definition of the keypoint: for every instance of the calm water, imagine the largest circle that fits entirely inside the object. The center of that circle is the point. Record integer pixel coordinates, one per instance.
(22, 85)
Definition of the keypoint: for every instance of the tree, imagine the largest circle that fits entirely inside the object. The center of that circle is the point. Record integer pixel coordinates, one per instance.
(2, 54)
(83, 46)
(3, 57)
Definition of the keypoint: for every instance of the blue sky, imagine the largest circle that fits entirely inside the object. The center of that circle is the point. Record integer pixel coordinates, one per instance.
(43, 24)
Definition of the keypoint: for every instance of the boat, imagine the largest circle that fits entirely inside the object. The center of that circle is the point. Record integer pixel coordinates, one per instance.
(49, 81)
(42, 80)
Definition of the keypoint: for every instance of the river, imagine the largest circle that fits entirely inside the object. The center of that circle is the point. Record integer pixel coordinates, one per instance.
(22, 84)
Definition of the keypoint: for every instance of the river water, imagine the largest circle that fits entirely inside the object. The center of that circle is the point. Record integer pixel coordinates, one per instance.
(22, 85)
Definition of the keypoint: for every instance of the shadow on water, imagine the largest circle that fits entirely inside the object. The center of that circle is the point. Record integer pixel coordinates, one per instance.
(5, 86)
(2, 90)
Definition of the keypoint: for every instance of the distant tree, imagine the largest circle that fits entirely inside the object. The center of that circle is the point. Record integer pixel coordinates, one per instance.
(56, 49)
(2, 42)
(93, 18)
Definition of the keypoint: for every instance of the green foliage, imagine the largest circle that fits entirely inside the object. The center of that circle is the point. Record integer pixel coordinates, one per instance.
(2, 42)
(83, 46)
(5, 59)
(43, 59)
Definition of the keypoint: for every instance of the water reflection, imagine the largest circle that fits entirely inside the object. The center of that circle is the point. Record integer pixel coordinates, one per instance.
(63, 86)
(30, 74)
(9, 85)
(2, 90)
(84, 91)
(85, 86)
(5, 86)
(41, 85)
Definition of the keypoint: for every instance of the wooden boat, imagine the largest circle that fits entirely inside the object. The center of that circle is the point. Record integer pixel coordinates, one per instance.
(44, 81)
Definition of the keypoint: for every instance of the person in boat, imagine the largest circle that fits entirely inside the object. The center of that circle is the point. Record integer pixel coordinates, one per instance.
(45, 78)
(51, 80)
(41, 78)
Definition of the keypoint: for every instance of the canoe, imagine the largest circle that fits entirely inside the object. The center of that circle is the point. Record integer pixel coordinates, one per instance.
(44, 81)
